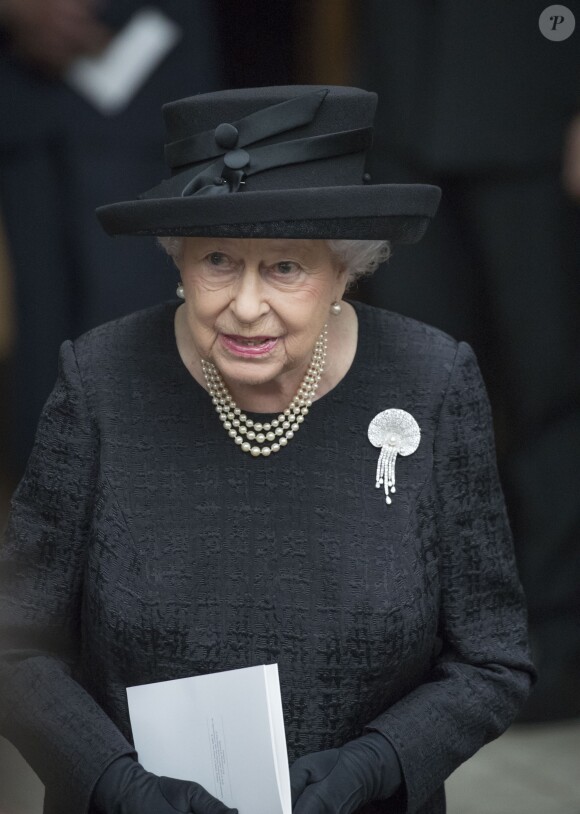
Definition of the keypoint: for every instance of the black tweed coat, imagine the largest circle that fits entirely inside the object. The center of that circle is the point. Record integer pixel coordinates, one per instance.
(143, 546)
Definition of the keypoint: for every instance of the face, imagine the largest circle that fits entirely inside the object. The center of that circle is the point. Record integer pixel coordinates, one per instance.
(255, 308)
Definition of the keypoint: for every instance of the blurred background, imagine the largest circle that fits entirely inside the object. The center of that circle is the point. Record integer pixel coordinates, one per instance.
(473, 97)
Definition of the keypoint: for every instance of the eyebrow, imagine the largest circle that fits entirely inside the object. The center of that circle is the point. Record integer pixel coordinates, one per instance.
(287, 245)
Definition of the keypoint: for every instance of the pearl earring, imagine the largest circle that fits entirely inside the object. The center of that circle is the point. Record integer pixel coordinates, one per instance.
(335, 308)
(180, 292)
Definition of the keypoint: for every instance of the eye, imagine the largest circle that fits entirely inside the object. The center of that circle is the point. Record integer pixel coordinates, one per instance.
(286, 268)
(218, 259)
(219, 263)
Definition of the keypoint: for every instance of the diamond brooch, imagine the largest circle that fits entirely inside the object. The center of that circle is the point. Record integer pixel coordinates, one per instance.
(397, 433)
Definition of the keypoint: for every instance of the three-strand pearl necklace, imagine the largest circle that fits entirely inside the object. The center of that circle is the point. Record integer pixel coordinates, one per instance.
(264, 438)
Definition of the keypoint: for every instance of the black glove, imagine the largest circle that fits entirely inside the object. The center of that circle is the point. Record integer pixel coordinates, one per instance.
(338, 781)
(126, 788)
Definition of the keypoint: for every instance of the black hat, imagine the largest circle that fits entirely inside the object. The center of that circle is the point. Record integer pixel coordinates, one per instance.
(284, 161)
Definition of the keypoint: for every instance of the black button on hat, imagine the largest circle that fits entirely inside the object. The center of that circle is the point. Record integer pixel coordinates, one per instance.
(236, 159)
(226, 136)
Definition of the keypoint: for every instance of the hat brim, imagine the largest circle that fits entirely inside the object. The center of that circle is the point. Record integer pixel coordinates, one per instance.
(396, 212)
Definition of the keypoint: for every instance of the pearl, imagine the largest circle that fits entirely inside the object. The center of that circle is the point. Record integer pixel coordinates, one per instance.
(275, 447)
(239, 440)
(255, 451)
(260, 437)
(283, 441)
(251, 435)
(246, 447)
(266, 451)
(289, 435)
(257, 426)
(295, 427)
(270, 436)
(279, 431)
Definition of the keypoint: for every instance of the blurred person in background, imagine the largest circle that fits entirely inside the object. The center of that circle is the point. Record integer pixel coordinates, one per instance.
(475, 98)
(60, 157)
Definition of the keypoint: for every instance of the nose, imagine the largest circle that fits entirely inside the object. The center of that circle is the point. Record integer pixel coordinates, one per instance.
(248, 303)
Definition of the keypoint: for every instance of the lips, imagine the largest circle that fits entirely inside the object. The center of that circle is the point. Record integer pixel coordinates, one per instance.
(249, 345)
(250, 341)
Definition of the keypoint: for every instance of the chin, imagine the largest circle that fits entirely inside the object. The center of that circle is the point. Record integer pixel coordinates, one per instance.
(247, 373)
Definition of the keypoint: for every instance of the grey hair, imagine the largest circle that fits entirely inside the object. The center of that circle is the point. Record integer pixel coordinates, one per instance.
(359, 257)
(172, 245)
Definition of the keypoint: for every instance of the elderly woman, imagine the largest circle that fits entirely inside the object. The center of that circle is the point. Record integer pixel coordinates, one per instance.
(265, 473)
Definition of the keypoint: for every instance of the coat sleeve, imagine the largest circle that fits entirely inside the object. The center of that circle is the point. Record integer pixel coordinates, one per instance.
(58, 727)
(482, 675)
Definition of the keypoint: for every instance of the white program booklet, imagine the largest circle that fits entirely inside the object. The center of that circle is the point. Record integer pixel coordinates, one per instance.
(222, 730)
(110, 80)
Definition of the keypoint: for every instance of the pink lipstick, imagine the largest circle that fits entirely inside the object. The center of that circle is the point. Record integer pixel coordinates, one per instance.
(249, 346)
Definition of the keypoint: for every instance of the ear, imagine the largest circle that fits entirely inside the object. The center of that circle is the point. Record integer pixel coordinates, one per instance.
(341, 282)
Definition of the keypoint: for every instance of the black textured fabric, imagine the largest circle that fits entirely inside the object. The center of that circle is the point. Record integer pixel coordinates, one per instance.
(144, 546)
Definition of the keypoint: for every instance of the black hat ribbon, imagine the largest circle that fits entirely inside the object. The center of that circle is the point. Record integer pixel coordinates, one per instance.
(270, 121)
(229, 174)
